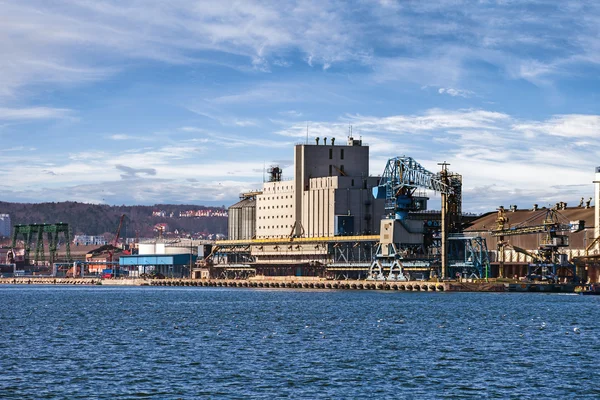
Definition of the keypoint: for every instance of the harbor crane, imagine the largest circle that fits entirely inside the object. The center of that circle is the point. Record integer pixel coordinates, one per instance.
(548, 259)
(400, 180)
(115, 242)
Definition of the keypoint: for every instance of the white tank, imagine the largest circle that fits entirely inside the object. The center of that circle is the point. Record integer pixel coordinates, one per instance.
(146, 248)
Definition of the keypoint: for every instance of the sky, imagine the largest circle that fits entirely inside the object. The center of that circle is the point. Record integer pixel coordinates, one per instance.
(146, 101)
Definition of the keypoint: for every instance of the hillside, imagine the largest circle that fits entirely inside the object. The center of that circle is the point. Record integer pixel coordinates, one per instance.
(97, 219)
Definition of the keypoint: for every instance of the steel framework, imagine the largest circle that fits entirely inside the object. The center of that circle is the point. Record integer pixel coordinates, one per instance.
(400, 178)
(34, 233)
(468, 256)
(548, 263)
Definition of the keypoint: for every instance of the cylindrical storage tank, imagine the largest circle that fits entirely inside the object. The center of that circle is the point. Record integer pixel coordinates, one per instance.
(233, 221)
(146, 248)
(241, 224)
(248, 219)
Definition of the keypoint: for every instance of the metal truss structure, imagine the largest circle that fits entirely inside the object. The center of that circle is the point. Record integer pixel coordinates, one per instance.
(400, 178)
(34, 233)
(548, 262)
(468, 257)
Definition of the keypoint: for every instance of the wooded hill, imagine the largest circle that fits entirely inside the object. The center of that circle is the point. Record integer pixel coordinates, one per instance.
(97, 219)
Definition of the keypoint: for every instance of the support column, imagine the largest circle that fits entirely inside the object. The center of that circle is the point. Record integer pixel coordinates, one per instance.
(501, 257)
(597, 210)
(444, 236)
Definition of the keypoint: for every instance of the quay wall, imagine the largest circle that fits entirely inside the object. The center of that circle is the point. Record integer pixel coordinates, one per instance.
(307, 283)
(267, 283)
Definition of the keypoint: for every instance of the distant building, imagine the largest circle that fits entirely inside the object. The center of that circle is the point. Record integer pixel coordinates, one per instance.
(87, 240)
(161, 228)
(5, 225)
(203, 213)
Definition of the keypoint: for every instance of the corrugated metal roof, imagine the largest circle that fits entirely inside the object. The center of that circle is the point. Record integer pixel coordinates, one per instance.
(248, 202)
(487, 221)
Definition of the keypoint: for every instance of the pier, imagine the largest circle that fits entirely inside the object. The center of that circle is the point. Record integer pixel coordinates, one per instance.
(266, 283)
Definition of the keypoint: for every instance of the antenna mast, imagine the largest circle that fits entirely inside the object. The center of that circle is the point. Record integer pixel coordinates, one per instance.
(306, 132)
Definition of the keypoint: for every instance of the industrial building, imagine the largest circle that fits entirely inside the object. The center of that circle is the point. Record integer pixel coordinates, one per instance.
(328, 195)
(324, 215)
(518, 238)
(167, 258)
(333, 219)
(5, 225)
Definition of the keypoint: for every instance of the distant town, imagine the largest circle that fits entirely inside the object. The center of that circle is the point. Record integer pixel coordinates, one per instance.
(191, 213)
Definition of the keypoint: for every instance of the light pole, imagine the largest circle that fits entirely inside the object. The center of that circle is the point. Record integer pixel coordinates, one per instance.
(191, 253)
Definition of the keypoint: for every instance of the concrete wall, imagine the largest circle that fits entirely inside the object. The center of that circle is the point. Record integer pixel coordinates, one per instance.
(329, 197)
(316, 161)
(308, 205)
(275, 210)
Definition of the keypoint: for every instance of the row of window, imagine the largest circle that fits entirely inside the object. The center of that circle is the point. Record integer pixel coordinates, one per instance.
(274, 207)
(274, 227)
(275, 188)
(275, 216)
(274, 198)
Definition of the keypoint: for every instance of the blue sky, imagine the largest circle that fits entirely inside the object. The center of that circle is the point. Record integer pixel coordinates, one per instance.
(144, 102)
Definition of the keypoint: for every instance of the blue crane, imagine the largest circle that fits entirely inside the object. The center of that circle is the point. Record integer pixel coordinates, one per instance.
(401, 177)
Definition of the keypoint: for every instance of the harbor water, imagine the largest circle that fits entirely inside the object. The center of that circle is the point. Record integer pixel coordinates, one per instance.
(186, 342)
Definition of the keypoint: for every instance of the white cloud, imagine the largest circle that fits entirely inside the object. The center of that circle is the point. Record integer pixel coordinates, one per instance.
(456, 92)
(291, 114)
(33, 113)
(486, 147)
(123, 137)
(75, 41)
(568, 126)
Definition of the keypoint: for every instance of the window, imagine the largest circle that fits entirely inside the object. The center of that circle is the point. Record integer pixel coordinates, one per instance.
(352, 182)
(341, 168)
(330, 154)
(330, 169)
(342, 154)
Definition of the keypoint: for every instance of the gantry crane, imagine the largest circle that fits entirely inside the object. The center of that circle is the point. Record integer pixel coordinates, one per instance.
(401, 178)
(548, 258)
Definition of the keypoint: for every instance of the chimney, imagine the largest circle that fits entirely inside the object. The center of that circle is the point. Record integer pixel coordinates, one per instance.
(332, 141)
(325, 141)
(317, 140)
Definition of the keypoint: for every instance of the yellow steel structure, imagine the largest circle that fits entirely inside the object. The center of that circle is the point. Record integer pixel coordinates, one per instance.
(360, 238)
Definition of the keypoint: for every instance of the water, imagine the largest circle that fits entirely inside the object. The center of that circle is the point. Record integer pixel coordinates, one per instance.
(168, 343)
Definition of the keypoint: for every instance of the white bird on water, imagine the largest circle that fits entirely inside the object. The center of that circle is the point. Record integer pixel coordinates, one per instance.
(576, 330)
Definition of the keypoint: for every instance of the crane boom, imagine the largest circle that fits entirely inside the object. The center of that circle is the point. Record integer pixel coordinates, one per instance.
(400, 178)
(116, 239)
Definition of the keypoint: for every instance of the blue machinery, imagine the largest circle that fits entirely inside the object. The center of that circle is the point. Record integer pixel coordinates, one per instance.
(400, 249)
(400, 178)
